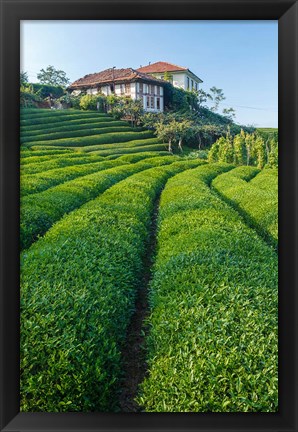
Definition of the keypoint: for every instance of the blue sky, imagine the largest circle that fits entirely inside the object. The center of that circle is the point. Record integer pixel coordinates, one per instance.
(240, 57)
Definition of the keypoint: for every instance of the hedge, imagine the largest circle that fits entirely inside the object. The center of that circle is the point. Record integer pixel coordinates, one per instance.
(35, 183)
(127, 150)
(131, 143)
(39, 211)
(61, 162)
(78, 133)
(77, 299)
(48, 157)
(106, 138)
(57, 128)
(136, 157)
(212, 344)
(56, 117)
(257, 201)
(27, 154)
(67, 123)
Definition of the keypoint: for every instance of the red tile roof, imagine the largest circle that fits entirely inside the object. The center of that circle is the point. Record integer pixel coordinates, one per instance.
(161, 67)
(112, 75)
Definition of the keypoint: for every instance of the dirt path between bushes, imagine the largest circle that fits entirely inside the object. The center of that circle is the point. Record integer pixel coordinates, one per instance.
(134, 351)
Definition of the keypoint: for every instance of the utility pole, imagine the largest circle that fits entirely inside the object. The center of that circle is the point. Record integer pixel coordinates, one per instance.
(113, 77)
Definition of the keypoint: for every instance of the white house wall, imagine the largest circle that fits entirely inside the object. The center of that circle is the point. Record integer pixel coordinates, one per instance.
(134, 93)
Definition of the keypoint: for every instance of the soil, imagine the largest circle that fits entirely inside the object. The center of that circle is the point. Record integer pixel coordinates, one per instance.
(134, 351)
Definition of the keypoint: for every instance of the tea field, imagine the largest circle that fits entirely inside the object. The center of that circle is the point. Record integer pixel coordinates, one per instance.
(108, 215)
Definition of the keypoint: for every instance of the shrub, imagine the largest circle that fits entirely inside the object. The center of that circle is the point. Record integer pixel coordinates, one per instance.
(255, 198)
(45, 90)
(212, 344)
(59, 287)
(34, 183)
(40, 211)
(93, 102)
(114, 137)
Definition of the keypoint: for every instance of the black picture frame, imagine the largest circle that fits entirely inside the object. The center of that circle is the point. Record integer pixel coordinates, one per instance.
(286, 12)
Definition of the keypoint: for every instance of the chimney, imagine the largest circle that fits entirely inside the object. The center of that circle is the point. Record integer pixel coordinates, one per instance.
(149, 63)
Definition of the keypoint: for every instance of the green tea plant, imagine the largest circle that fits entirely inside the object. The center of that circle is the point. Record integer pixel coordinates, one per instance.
(79, 133)
(101, 123)
(212, 344)
(256, 200)
(77, 299)
(113, 137)
(41, 181)
(59, 162)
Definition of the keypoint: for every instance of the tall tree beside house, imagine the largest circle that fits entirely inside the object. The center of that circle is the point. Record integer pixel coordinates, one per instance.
(217, 96)
(168, 77)
(53, 76)
(203, 97)
(229, 113)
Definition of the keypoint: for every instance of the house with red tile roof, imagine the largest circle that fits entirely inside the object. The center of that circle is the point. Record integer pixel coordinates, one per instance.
(124, 82)
(179, 76)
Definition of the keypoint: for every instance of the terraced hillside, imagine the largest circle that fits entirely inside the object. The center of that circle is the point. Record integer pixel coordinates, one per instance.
(148, 280)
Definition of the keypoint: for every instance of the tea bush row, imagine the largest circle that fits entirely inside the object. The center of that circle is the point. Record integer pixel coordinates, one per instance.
(45, 154)
(26, 154)
(256, 200)
(131, 143)
(34, 183)
(212, 344)
(46, 117)
(79, 133)
(127, 150)
(114, 137)
(59, 162)
(69, 123)
(136, 157)
(71, 128)
(39, 211)
(77, 299)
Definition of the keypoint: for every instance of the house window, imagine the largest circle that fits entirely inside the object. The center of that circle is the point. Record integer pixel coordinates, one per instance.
(112, 88)
(191, 84)
(127, 88)
(187, 83)
(158, 90)
(152, 102)
(196, 86)
(122, 89)
(141, 87)
(148, 102)
(158, 103)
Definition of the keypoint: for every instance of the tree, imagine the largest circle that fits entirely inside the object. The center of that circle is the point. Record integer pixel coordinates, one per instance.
(260, 152)
(183, 129)
(168, 77)
(166, 132)
(226, 149)
(91, 102)
(249, 142)
(134, 110)
(229, 113)
(24, 79)
(203, 97)
(240, 152)
(53, 76)
(217, 96)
